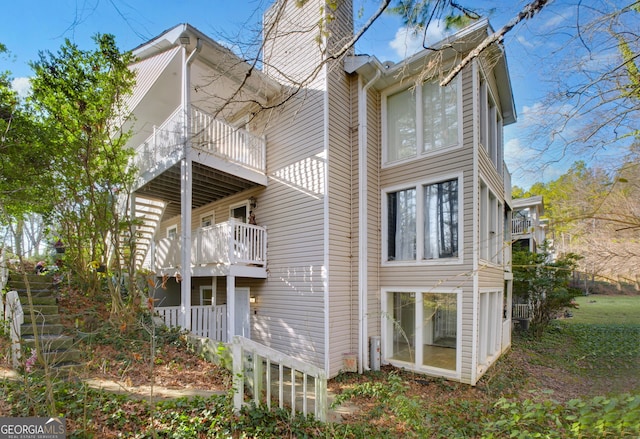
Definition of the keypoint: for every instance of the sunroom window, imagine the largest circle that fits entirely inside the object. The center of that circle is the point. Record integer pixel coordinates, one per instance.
(420, 120)
(433, 206)
(421, 329)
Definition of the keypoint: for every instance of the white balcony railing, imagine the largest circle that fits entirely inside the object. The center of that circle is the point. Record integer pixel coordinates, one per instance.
(229, 243)
(520, 226)
(224, 141)
(206, 321)
(166, 144)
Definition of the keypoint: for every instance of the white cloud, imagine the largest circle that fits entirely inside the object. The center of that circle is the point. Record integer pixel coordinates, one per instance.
(409, 41)
(22, 85)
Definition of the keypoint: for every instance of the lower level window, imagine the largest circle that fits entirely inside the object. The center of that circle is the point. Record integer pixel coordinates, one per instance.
(422, 328)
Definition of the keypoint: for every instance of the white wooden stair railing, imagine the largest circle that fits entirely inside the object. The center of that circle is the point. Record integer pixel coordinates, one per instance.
(14, 316)
(254, 363)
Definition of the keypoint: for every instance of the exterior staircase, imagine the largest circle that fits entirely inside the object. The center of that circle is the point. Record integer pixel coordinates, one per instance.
(148, 212)
(57, 349)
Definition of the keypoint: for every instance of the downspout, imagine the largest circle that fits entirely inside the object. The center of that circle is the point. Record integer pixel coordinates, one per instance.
(186, 187)
(363, 278)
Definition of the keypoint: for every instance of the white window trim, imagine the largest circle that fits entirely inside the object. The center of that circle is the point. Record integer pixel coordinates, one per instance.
(387, 330)
(420, 153)
(244, 203)
(213, 217)
(485, 232)
(418, 185)
(170, 228)
(495, 332)
(485, 93)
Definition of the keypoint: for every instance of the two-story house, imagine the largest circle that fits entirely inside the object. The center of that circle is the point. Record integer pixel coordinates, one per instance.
(323, 202)
(528, 226)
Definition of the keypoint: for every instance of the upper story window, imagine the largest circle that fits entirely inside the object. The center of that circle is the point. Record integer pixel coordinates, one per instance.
(422, 222)
(490, 126)
(420, 120)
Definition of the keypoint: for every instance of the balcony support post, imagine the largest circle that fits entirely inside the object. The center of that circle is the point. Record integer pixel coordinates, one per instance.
(231, 307)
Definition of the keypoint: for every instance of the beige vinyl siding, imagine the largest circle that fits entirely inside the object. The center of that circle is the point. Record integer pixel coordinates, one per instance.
(289, 313)
(342, 329)
(295, 35)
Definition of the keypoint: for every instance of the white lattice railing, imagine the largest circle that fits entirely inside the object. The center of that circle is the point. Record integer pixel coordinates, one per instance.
(206, 321)
(257, 364)
(228, 243)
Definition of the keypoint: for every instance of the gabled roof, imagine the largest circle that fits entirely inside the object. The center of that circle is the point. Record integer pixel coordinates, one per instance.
(521, 203)
(461, 42)
(212, 53)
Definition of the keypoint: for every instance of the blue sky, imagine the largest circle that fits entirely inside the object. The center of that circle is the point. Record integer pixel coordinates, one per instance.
(31, 26)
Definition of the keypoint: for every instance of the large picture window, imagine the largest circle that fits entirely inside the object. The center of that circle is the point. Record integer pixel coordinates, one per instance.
(420, 120)
(421, 329)
(433, 206)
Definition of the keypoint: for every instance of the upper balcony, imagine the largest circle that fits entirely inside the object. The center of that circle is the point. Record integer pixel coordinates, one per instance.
(226, 159)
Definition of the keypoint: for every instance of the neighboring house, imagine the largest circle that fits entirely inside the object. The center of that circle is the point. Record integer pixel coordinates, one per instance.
(528, 229)
(379, 198)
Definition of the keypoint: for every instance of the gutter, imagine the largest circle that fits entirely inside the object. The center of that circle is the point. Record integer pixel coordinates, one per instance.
(363, 278)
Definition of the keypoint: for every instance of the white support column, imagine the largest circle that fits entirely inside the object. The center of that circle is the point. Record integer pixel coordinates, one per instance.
(231, 307)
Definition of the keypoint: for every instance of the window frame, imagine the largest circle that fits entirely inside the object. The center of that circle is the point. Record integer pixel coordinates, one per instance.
(419, 221)
(171, 228)
(419, 115)
(491, 243)
(387, 327)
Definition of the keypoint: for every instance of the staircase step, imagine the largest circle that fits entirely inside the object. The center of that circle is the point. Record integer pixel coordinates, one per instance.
(51, 329)
(42, 318)
(36, 282)
(50, 342)
(54, 358)
(46, 310)
(38, 300)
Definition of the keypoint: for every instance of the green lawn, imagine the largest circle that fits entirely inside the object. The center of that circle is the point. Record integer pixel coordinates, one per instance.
(601, 309)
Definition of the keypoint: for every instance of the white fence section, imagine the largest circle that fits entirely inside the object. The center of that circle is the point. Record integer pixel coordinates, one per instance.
(14, 316)
(225, 141)
(228, 243)
(521, 311)
(206, 321)
(257, 364)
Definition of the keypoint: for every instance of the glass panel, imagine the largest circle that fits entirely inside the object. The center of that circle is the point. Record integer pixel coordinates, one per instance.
(440, 115)
(439, 330)
(404, 324)
(401, 239)
(401, 126)
(441, 220)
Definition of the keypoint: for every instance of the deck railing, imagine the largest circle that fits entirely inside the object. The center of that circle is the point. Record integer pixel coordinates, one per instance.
(206, 321)
(257, 364)
(520, 226)
(225, 141)
(215, 137)
(231, 242)
(521, 311)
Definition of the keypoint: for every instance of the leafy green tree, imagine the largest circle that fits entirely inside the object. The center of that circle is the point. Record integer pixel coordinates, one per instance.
(80, 95)
(544, 285)
(24, 164)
